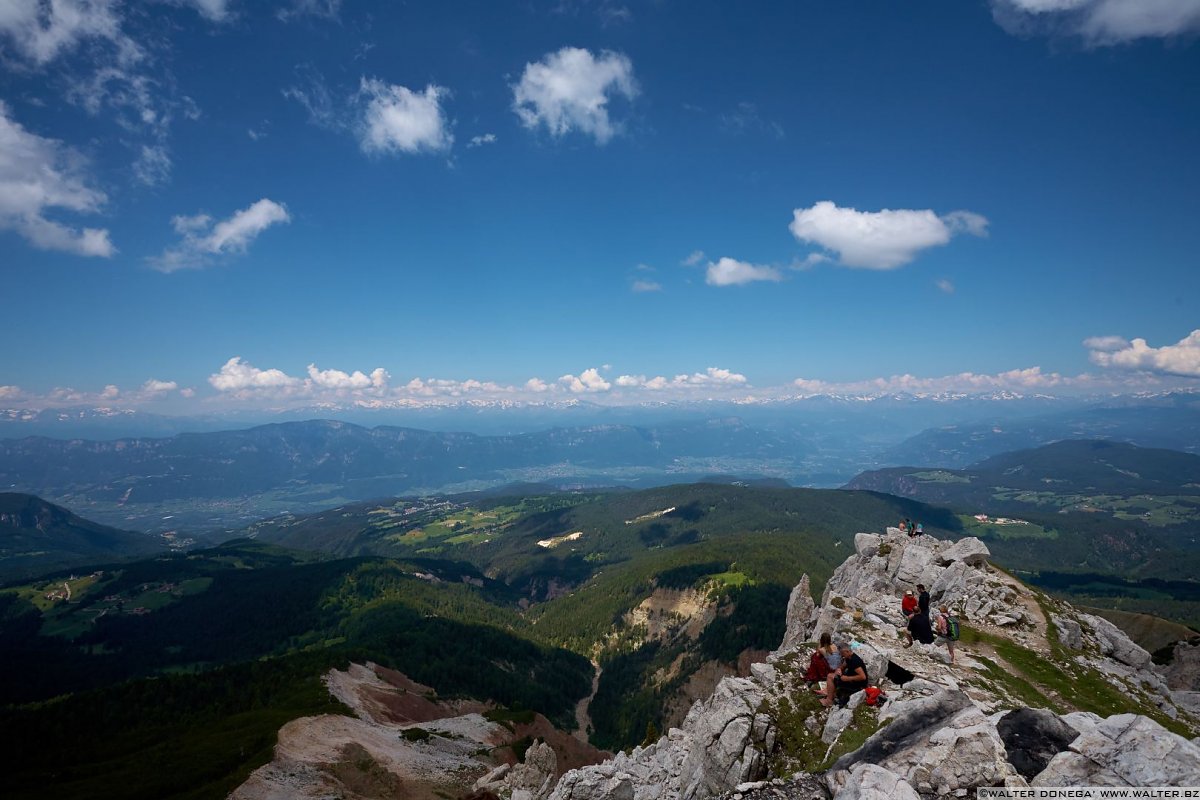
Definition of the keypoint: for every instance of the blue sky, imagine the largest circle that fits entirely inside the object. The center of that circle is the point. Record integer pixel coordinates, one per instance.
(615, 200)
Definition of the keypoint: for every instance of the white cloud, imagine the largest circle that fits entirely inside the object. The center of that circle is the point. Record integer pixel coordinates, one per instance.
(11, 393)
(153, 166)
(945, 284)
(884, 239)
(153, 387)
(570, 90)
(1101, 22)
(397, 119)
(204, 240)
(211, 10)
(646, 286)
(336, 379)
(40, 32)
(536, 385)
(694, 259)
(478, 141)
(1181, 359)
(1016, 380)
(238, 376)
(589, 380)
(329, 9)
(711, 378)
(731, 272)
(39, 175)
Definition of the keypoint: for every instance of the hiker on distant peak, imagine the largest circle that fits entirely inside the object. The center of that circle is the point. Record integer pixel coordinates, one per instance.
(903, 525)
(909, 604)
(920, 529)
(923, 599)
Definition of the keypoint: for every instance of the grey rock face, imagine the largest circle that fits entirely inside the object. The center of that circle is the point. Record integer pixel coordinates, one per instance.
(1032, 737)
(799, 615)
(870, 782)
(1113, 642)
(1125, 750)
(1184, 671)
(968, 550)
(1069, 632)
(867, 544)
(723, 742)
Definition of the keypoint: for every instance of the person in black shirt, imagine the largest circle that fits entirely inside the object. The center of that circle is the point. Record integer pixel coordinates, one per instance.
(849, 678)
(923, 599)
(919, 629)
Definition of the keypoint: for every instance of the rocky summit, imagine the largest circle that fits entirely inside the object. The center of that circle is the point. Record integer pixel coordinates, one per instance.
(1039, 694)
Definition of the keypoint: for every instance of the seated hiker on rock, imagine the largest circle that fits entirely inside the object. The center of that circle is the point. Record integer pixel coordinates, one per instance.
(919, 629)
(851, 677)
(825, 659)
(909, 604)
(947, 631)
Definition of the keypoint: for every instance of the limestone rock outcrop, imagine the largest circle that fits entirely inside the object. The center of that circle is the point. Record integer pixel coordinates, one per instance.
(1032, 737)
(722, 743)
(1124, 750)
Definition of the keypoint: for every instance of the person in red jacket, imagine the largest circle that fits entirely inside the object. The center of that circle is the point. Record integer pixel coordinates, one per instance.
(909, 604)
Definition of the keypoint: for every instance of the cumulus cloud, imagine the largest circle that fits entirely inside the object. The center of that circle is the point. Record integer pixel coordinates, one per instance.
(238, 376)
(1181, 359)
(204, 240)
(39, 176)
(569, 90)
(396, 119)
(884, 239)
(711, 378)
(11, 393)
(155, 387)
(646, 286)
(590, 380)
(479, 141)
(336, 379)
(1031, 378)
(1100, 22)
(536, 385)
(731, 272)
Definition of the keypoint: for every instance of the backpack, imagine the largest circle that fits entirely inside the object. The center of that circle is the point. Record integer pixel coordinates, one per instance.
(952, 628)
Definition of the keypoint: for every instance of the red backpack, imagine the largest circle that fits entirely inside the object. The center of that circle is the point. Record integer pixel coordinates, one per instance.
(872, 695)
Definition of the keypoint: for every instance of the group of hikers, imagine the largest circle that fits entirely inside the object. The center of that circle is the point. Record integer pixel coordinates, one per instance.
(911, 528)
(839, 672)
(941, 627)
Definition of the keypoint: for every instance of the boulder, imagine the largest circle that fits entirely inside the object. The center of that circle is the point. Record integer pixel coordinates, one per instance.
(1033, 736)
(1184, 671)
(838, 720)
(537, 774)
(1113, 642)
(1069, 632)
(869, 782)
(940, 745)
(969, 550)
(867, 544)
(1125, 750)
